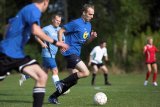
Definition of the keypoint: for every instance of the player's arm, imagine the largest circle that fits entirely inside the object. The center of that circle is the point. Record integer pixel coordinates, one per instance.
(89, 62)
(41, 43)
(144, 49)
(37, 31)
(92, 37)
(60, 34)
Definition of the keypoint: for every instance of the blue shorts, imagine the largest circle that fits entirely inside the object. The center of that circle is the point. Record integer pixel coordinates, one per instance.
(49, 63)
(72, 60)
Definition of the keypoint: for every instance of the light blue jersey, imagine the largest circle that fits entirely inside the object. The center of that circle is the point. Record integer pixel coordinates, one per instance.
(19, 31)
(52, 32)
(77, 32)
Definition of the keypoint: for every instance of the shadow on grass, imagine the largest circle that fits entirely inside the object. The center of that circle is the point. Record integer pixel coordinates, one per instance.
(15, 101)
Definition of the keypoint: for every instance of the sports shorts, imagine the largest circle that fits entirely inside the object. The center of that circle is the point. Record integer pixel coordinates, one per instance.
(72, 60)
(49, 63)
(7, 64)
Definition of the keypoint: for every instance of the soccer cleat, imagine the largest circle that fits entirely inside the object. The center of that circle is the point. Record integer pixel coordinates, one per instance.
(59, 86)
(145, 83)
(155, 84)
(23, 78)
(53, 100)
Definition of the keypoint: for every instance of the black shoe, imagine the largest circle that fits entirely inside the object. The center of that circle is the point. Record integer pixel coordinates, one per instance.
(53, 100)
(59, 86)
(108, 83)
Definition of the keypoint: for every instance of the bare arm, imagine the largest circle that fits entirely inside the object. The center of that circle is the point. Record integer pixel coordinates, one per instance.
(93, 36)
(42, 43)
(37, 31)
(90, 58)
(60, 34)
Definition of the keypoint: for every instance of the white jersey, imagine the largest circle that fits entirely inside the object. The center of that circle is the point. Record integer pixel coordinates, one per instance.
(97, 54)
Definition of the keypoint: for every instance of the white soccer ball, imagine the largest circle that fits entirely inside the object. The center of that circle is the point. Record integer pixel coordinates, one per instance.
(100, 98)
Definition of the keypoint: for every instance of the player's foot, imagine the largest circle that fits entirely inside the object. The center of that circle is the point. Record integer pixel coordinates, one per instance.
(68, 91)
(145, 83)
(155, 84)
(23, 78)
(107, 83)
(59, 86)
(53, 100)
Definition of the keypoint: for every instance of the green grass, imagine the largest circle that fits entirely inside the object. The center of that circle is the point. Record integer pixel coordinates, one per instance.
(127, 91)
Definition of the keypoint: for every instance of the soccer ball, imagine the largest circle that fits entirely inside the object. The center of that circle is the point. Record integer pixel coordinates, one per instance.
(100, 98)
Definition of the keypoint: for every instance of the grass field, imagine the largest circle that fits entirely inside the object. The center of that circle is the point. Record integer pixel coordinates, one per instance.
(127, 91)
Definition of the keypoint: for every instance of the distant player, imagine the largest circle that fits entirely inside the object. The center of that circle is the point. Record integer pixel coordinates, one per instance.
(95, 60)
(150, 56)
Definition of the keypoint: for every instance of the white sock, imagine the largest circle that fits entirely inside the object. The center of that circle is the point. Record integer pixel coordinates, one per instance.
(55, 78)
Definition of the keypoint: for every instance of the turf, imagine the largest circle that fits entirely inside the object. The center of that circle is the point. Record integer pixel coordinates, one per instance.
(127, 90)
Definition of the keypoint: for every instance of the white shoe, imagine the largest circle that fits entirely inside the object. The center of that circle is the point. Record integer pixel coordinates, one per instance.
(23, 78)
(155, 84)
(145, 83)
(68, 91)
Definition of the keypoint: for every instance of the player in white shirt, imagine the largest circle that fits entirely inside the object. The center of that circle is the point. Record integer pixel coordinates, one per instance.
(95, 60)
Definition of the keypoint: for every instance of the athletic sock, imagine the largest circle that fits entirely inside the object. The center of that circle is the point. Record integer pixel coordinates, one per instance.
(105, 78)
(154, 76)
(55, 78)
(38, 96)
(68, 83)
(148, 75)
(93, 79)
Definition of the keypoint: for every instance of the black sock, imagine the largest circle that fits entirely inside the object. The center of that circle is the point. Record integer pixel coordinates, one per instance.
(38, 96)
(68, 83)
(71, 78)
(105, 78)
(93, 78)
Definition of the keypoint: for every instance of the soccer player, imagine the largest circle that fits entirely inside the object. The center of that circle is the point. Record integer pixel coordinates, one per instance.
(12, 56)
(95, 60)
(76, 32)
(150, 55)
(49, 50)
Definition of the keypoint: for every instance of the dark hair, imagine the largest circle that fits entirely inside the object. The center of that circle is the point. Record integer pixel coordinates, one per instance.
(101, 42)
(86, 6)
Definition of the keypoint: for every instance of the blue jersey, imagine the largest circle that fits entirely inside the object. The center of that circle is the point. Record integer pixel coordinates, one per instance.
(77, 32)
(19, 31)
(52, 32)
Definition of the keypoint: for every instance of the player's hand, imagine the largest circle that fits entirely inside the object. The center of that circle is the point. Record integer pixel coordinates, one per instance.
(93, 34)
(44, 45)
(62, 45)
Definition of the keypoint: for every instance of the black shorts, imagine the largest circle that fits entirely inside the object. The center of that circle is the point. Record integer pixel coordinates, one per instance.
(98, 65)
(7, 63)
(72, 60)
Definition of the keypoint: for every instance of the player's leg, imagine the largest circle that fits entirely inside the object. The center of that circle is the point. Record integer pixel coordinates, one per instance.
(94, 73)
(155, 74)
(105, 71)
(149, 68)
(40, 77)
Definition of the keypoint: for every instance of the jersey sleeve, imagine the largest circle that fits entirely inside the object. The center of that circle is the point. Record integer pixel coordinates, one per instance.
(93, 51)
(33, 17)
(70, 27)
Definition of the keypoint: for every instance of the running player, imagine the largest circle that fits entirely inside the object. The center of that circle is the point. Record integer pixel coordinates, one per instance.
(150, 55)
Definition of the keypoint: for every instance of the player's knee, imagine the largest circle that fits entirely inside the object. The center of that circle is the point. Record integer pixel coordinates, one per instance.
(86, 74)
(43, 78)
